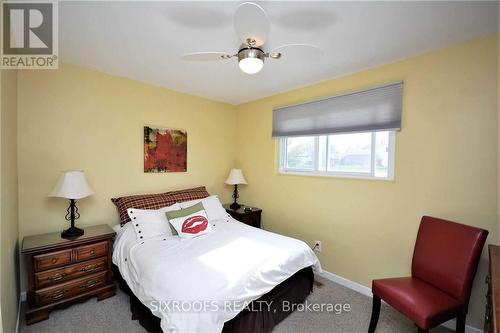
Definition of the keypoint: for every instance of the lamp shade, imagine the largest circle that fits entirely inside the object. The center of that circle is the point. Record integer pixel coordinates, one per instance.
(236, 177)
(72, 185)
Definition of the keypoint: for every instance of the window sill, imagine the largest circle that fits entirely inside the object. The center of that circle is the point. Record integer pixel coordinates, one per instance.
(332, 175)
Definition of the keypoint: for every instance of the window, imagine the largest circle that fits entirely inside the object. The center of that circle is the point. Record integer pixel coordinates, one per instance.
(357, 155)
(347, 135)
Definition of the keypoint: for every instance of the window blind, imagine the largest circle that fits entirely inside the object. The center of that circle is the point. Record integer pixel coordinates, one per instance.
(374, 109)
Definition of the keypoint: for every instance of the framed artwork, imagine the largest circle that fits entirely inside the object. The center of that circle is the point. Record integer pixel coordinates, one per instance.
(165, 150)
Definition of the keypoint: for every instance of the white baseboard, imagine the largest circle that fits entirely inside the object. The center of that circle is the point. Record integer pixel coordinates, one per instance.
(18, 316)
(368, 292)
(347, 283)
(22, 298)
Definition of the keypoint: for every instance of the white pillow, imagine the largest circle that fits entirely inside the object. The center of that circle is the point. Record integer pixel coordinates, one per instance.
(150, 223)
(189, 222)
(212, 206)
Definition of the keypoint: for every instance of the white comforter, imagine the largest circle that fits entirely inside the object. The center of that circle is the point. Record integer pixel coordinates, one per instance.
(197, 285)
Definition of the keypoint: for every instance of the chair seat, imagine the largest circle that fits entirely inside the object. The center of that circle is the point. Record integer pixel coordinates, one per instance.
(419, 301)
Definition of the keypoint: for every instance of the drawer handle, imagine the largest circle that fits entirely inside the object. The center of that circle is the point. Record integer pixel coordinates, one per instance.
(54, 260)
(56, 277)
(92, 252)
(89, 268)
(58, 294)
(487, 280)
(89, 284)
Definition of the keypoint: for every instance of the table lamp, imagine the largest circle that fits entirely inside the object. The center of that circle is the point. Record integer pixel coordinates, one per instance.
(235, 178)
(72, 185)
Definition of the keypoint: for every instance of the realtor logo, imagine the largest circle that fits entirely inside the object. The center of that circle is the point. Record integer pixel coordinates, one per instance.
(29, 32)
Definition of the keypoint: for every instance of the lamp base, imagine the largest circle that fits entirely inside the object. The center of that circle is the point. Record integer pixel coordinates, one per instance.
(72, 232)
(235, 206)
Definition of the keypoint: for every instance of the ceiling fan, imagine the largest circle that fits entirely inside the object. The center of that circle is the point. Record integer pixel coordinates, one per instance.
(252, 27)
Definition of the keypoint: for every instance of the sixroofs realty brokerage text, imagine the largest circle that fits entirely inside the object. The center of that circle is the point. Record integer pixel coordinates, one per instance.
(254, 306)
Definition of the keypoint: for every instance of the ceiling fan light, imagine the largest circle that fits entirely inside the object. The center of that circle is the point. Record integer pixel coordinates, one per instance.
(251, 60)
(251, 65)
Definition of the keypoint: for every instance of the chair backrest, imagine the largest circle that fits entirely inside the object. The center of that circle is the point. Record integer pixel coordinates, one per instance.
(446, 256)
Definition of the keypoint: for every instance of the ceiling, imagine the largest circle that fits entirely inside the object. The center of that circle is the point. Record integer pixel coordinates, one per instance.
(143, 40)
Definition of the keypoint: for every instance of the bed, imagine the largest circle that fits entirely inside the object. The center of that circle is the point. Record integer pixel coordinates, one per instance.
(236, 278)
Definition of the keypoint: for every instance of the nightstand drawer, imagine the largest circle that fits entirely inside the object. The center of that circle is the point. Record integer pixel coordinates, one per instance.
(59, 275)
(91, 251)
(52, 260)
(70, 289)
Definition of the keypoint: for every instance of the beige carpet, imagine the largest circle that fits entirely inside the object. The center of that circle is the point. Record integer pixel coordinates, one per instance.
(113, 315)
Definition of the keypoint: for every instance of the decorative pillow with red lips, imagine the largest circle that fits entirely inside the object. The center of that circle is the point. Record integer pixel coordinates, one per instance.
(189, 222)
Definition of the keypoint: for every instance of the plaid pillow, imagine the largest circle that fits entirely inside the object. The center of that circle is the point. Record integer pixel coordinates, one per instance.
(156, 201)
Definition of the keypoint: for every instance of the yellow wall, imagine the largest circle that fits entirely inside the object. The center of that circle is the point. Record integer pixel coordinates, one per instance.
(74, 118)
(446, 165)
(9, 282)
(446, 156)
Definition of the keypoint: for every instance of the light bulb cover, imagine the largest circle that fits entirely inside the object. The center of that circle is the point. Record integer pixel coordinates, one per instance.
(251, 60)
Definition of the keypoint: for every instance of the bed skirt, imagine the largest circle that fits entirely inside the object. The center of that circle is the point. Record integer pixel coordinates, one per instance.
(293, 290)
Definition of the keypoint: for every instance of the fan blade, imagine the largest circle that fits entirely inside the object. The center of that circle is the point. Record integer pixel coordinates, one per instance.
(206, 56)
(250, 21)
(294, 48)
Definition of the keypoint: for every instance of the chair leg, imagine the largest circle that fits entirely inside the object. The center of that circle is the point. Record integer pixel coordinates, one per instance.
(375, 314)
(461, 323)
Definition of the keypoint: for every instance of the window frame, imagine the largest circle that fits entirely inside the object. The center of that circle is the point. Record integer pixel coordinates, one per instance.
(282, 158)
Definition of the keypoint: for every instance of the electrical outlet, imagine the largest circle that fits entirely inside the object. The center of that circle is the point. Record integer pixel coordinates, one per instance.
(317, 246)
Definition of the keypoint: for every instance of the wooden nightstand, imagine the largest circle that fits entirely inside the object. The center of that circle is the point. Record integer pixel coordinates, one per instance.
(62, 271)
(251, 218)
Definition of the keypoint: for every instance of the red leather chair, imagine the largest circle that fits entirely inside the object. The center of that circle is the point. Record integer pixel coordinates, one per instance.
(444, 263)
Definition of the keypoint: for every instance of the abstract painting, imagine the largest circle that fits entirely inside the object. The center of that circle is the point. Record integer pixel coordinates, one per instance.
(165, 150)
